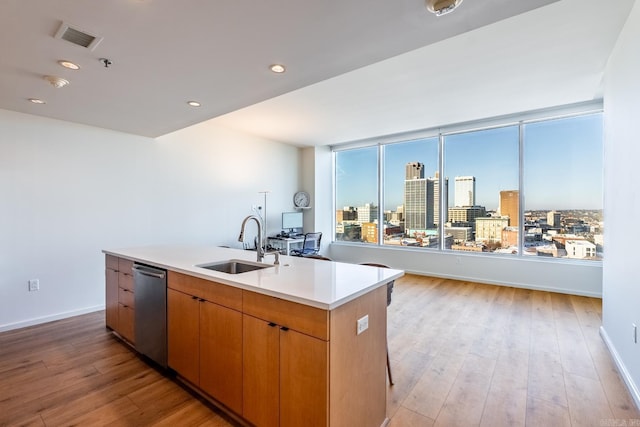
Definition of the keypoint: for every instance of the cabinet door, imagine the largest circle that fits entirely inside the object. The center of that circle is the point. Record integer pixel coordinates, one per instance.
(183, 335)
(221, 354)
(261, 372)
(126, 323)
(111, 298)
(304, 380)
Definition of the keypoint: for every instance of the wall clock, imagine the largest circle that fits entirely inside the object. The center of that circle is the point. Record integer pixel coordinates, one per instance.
(301, 199)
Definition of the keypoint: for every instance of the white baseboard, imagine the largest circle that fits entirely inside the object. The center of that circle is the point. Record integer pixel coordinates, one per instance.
(51, 318)
(530, 286)
(628, 380)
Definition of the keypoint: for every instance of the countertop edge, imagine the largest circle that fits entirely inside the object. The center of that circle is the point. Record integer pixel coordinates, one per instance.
(219, 278)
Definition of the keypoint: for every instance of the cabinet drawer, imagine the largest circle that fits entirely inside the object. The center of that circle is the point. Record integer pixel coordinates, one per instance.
(111, 262)
(302, 318)
(125, 280)
(126, 297)
(125, 265)
(126, 322)
(125, 274)
(218, 293)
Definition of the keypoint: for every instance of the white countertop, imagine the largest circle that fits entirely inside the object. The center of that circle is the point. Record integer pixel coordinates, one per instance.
(322, 284)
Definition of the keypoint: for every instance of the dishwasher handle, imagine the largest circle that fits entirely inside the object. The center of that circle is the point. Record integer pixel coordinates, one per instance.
(148, 271)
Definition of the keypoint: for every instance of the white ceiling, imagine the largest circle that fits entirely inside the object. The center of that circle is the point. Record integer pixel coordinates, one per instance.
(356, 68)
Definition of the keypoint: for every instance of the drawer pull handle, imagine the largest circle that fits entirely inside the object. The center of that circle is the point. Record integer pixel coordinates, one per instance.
(284, 328)
(272, 324)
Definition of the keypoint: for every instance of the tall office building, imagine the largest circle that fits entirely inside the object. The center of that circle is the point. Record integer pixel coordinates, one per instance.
(510, 206)
(433, 205)
(414, 170)
(465, 191)
(415, 197)
(421, 199)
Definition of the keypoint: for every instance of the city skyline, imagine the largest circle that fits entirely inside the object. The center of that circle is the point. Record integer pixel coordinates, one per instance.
(562, 166)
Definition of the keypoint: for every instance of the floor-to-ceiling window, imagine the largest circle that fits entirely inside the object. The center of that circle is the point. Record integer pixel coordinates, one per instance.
(528, 187)
(356, 195)
(481, 170)
(562, 181)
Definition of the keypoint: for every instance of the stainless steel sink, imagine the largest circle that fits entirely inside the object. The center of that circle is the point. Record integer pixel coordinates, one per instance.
(234, 266)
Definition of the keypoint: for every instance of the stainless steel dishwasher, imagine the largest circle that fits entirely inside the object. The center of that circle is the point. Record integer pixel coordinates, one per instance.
(150, 284)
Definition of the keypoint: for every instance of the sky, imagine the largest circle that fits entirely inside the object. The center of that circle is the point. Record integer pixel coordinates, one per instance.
(562, 165)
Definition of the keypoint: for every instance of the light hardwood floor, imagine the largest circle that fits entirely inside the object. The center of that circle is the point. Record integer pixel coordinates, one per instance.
(462, 354)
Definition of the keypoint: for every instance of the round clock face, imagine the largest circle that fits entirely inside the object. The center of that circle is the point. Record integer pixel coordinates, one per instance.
(301, 199)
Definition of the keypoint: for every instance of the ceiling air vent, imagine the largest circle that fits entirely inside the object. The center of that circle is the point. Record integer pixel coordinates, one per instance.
(76, 36)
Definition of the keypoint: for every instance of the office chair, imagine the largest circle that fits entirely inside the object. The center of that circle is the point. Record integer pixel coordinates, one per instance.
(310, 245)
(389, 291)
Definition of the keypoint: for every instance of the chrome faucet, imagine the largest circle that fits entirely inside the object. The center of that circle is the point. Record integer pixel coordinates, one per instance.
(259, 249)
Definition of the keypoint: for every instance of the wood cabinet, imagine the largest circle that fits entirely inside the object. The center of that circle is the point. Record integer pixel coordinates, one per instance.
(205, 337)
(111, 297)
(285, 376)
(119, 298)
(271, 361)
(286, 381)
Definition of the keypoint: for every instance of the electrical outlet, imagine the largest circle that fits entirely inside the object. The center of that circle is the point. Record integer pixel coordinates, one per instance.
(635, 333)
(34, 285)
(363, 324)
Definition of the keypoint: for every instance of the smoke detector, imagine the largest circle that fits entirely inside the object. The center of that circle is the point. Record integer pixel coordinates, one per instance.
(56, 82)
(442, 7)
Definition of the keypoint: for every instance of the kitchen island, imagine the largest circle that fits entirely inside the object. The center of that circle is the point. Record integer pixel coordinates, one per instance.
(299, 343)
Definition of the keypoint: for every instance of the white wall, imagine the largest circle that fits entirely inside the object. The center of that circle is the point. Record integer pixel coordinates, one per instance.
(68, 191)
(566, 277)
(621, 307)
(316, 179)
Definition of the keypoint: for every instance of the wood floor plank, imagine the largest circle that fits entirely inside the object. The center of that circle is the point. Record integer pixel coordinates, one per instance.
(429, 394)
(406, 418)
(506, 403)
(545, 413)
(588, 405)
(546, 378)
(192, 413)
(406, 373)
(465, 402)
(575, 354)
(620, 401)
(90, 411)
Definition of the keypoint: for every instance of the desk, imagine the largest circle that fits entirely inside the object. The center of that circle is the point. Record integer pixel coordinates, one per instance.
(285, 244)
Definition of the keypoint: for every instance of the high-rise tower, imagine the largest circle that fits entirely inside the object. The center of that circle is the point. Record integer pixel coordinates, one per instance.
(415, 197)
(414, 170)
(465, 191)
(510, 206)
(421, 198)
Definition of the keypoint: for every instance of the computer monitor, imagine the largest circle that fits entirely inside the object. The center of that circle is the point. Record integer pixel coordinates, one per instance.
(292, 222)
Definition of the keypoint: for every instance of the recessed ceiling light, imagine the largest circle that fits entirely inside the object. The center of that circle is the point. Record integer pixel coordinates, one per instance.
(68, 64)
(442, 7)
(56, 82)
(277, 68)
(194, 103)
(37, 101)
